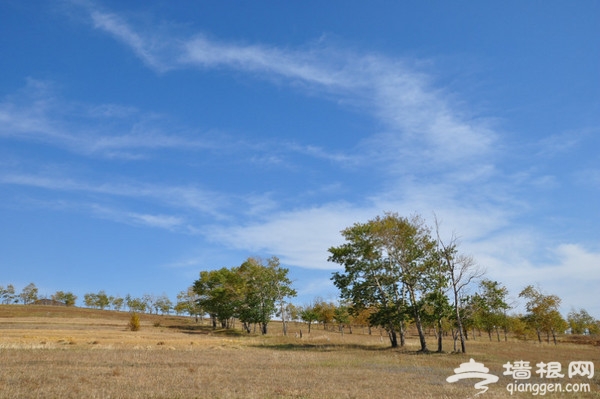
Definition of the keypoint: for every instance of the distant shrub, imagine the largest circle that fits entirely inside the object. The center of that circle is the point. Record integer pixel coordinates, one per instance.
(134, 322)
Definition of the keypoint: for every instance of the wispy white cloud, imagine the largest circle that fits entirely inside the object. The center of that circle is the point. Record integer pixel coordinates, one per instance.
(143, 46)
(177, 197)
(423, 129)
(416, 115)
(559, 143)
(36, 113)
(167, 222)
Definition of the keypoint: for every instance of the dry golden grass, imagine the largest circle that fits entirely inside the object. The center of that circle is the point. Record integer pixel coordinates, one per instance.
(79, 353)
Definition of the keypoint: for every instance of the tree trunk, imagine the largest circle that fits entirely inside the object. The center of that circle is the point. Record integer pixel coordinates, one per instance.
(440, 336)
(418, 323)
(402, 334)
(463, 347)
(393, 338)
(283, 318)
(454, 338)
(263, 328)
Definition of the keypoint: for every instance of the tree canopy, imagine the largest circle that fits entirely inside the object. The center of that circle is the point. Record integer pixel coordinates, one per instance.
(252, 292)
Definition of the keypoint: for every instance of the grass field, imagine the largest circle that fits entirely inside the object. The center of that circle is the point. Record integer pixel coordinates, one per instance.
(54, 352)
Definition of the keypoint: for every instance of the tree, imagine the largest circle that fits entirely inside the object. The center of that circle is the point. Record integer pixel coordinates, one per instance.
(102, 300)
(29, 294)
(411, 256)
(254, 292)
(368, 281)
(136, 305)
(389, 263)
(8, 294)
(341, 315)
(325, 312)
(582, 322)
(68, 298)
(219, 294)
(90, 300)
(492, 306)
(117, 303)
(461, 271)
(163, 304)
(436, 312)
(264, 289)
(97, 301)
(542, 312)
(308, 314)
(187, 302)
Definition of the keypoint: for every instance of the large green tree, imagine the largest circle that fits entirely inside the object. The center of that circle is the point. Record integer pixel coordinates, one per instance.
(265, 286)
(389, 263)
(368, 280)
(219, 294)
(254, 292)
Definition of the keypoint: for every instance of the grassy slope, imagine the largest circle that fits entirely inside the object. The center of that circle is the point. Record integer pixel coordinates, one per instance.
(76, 352)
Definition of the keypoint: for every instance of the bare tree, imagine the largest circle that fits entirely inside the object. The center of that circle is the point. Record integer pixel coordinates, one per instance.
(462, 271)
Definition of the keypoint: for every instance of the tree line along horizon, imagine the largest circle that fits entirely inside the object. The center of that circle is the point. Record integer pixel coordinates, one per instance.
(398, 275)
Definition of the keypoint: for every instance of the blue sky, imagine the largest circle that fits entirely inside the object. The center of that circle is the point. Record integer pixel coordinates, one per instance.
(142, 142)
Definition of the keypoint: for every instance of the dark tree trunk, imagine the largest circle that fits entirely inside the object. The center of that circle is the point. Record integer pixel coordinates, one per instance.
(418, 323)
(440, 336)
(393, 338)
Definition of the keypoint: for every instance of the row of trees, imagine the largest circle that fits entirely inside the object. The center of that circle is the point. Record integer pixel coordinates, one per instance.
(28, 295)
(399, 272)
(146, 304)
(252, 293)
(486, 311)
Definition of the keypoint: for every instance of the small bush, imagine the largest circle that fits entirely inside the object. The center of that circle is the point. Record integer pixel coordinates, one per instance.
(134, 322)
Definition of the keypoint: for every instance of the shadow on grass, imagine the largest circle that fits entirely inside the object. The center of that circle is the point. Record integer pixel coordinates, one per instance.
(206, 330)
(333, 347)
(321, 347)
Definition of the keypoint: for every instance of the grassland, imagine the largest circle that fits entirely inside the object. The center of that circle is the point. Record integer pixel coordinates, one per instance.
(52, 352)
